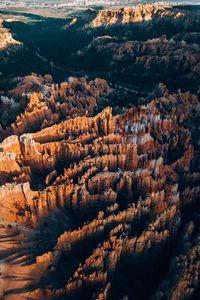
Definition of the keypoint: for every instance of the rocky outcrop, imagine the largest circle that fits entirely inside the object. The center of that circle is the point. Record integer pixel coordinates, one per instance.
(17, 201)
(145, 61)
(185, 266)
(8, 45)
(143, 13)
(6, 40)
(142, 45)
(45, 104)
(122, 188)
(99, 184)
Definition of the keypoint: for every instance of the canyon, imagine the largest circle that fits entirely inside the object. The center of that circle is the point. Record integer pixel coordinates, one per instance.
(99, 178)
(146, 61)
(152, 43)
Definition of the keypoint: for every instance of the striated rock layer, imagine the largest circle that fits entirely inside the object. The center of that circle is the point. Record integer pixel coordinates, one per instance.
(137, 62)
(96, 205)
(144, 13)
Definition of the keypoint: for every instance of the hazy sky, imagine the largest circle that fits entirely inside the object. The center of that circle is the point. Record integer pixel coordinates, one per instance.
(121, 1)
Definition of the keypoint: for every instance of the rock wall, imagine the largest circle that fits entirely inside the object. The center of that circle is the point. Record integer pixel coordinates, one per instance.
(8, 45)
(142, 13)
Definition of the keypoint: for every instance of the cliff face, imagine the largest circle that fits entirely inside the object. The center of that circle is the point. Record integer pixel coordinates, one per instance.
(142, 13)
(144, 45)
(8, 45)
(107, 196)
(6, 40)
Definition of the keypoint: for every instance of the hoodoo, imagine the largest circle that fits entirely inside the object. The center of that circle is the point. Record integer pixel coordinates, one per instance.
(100, 154)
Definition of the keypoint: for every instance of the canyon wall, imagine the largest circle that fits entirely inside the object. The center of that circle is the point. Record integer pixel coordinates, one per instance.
(144, 13)
(8, 45)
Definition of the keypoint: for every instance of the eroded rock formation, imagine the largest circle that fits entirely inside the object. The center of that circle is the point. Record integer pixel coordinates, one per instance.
(113, 199)
(45, 103)
(172, 60)
(99, 183)
(8, 45)
(144, 13)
